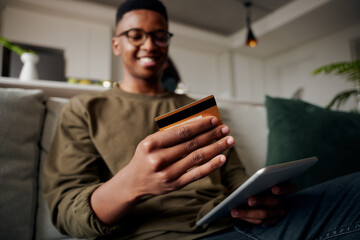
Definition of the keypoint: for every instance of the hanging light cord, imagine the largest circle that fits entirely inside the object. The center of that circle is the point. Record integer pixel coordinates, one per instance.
(248, 13)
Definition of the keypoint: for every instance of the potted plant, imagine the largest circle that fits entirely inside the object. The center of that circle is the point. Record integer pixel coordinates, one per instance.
(13, 47)
(27, 56)
(351, 71)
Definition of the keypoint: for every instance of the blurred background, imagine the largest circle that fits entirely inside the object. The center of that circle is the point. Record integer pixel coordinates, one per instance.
(294, 37)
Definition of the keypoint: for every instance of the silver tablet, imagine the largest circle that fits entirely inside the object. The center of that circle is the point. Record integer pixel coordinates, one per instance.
(260, 181)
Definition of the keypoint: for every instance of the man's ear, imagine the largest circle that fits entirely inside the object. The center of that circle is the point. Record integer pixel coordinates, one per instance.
(116, 46)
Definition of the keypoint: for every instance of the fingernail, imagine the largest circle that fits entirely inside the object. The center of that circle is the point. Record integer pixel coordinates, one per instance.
(276, 190)
(222, 159)
(235, 213)
(252, 202)
(225, 130)
(214, 121)
(230, 141)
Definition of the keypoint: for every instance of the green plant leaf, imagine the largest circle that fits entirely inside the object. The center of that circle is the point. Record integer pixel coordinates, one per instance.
(351, 70)
(15, 48)
(341, 98)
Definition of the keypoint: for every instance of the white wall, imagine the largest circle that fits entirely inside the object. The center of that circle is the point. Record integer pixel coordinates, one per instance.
(287, 72)
(198, 70)
(203, 60)
(248, 78)
(86, 45)
(228, 74)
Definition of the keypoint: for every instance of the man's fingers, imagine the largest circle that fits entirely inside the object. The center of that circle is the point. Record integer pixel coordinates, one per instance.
(284, 188)
(265, 223)
(271, 198)
(201, 171)
(263, 200)
(258, 216)
(201, 156)
(265, 208)
(187, 147)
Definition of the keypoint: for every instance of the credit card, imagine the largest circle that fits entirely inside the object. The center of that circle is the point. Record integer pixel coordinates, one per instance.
(198, 109)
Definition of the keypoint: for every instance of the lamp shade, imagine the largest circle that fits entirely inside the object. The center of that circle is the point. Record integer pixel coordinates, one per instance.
(251, 40)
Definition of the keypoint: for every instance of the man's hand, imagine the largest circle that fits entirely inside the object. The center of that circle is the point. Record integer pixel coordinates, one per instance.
(266, 208)
(163, 162)
(171, 159)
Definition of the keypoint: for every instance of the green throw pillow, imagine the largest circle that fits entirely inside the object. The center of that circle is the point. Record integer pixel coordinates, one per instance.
(298, 130)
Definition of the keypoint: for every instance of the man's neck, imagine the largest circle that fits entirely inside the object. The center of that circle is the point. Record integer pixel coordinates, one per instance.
(142, 87)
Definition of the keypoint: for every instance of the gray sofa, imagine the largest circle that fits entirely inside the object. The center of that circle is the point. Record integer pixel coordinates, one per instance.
(28, 118)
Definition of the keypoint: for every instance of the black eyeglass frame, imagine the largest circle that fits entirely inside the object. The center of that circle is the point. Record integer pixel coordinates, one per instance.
(147, 34)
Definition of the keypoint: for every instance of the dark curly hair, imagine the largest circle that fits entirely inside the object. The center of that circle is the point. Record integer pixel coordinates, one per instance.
(130, 5)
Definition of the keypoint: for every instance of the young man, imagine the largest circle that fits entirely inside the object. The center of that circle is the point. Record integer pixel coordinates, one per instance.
(111, 174)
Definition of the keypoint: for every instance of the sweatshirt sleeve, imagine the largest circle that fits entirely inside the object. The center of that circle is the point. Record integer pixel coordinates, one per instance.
(233, 173)
(72, 171)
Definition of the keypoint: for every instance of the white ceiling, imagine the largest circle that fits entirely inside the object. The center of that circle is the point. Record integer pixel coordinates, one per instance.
(278, 24)
(329, 16)
(224, 17)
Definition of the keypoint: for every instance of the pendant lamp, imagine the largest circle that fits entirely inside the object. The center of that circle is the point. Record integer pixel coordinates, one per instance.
(251, 40)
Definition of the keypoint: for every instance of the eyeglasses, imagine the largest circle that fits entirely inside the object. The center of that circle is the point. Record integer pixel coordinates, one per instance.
(137, 37)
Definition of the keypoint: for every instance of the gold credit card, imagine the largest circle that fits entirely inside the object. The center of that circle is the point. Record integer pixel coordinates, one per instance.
(199, 109)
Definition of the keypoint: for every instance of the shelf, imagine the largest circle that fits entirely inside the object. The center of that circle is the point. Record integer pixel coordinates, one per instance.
(51, 88)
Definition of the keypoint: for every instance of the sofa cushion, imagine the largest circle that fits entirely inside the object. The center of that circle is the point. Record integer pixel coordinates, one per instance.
(53, 109)
(44, 228)
(21, 117)
(299, 130)
(248, 126)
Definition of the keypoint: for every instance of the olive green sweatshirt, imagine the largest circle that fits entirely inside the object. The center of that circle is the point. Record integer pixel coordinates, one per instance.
(97, 135)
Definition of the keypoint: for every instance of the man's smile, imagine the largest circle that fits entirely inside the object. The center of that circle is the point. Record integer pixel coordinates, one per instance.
(147, 61)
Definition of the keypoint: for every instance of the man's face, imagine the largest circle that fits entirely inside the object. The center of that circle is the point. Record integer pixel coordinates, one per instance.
(144, 61)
